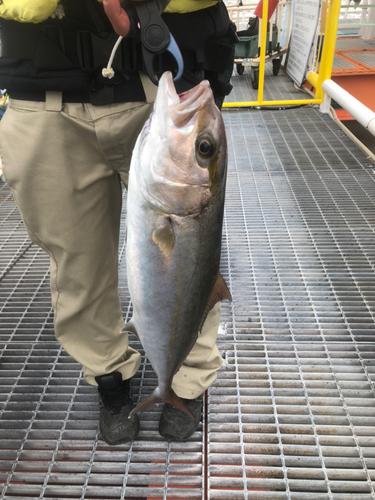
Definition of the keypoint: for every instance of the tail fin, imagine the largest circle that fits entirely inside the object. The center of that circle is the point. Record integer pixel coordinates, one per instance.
(157, 397)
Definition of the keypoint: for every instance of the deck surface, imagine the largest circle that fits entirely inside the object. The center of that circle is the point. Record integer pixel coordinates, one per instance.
(292, 413)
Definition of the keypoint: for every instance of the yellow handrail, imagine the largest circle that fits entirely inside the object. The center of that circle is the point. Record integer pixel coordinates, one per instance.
(253, 104)
(263, 42)
(316, 78)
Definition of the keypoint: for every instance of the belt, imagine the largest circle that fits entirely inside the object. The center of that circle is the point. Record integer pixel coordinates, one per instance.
(40, 96)
(126, 91)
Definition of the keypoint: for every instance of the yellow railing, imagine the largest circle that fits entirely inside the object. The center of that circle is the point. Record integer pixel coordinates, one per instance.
(315, 78)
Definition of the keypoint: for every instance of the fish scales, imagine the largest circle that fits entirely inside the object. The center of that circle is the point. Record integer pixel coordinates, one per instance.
(175, 211)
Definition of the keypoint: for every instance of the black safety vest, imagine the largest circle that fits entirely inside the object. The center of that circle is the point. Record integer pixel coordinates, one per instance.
(68, 54)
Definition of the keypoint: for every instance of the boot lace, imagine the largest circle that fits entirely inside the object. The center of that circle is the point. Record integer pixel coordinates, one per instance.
(117, 398)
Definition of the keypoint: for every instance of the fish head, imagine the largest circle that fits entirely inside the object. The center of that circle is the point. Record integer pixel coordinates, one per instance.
(183, 150)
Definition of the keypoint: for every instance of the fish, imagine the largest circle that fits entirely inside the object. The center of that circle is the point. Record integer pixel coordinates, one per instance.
(175, 207)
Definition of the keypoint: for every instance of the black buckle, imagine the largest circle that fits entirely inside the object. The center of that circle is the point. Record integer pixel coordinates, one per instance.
(155, 38)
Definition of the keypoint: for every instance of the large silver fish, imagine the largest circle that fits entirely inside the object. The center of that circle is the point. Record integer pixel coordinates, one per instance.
(174, 225)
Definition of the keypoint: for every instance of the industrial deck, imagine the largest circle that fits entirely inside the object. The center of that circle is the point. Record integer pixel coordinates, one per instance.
(292, 413)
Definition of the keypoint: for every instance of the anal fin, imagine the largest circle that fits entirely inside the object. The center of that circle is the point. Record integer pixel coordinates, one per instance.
(130, 328)
(220, 292)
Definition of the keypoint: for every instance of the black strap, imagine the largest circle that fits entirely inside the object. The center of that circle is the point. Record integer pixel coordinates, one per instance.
(40, 96)
(45, 46)
(125, 91)
(96, 17)
(94, 52)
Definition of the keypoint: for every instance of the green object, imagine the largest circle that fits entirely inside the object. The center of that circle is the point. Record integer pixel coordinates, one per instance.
(248, 45)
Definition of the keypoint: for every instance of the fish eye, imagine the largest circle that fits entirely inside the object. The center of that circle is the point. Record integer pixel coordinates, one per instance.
(205, 146)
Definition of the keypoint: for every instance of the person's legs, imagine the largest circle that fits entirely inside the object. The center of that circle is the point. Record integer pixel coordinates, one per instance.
(70, 200)
(63, 168)
(197, 374)
(63, 174)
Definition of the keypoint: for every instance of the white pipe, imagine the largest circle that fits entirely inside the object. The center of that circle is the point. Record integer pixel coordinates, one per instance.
(364, 115)
(325, 106)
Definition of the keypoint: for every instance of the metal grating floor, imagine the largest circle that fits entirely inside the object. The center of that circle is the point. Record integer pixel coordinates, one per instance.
(367, 57)
(340, 63)
(354, 44)
(292, 414)
(275, 87)
(354, 54)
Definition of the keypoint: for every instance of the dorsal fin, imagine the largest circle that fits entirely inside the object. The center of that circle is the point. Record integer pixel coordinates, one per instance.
(219, 292)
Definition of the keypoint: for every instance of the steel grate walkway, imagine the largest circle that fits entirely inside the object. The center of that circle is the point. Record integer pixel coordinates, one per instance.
(292, 413)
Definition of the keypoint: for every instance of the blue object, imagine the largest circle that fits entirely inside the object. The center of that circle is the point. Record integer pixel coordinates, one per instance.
(176, 53)
(156, 39)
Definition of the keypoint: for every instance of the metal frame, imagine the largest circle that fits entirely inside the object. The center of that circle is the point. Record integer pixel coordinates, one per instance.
(315, 78)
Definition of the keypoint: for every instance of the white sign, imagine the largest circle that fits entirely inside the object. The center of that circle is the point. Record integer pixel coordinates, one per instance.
(305, 21)
(285, 16)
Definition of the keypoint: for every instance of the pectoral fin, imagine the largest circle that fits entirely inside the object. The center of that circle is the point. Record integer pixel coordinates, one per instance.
(164, 237)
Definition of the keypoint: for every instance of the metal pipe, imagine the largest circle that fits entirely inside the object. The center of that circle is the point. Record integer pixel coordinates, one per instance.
(364, 115)
(239, 10)
(328, 52)
(288, 28)
(278, 24)
(346, 5)
(323, 56)
(356, 25)
(253, 104)
(313, 79)
(357, 6)
(262, 63)
(364, 11)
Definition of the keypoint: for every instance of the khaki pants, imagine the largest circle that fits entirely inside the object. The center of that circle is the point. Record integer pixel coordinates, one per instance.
(64, 164)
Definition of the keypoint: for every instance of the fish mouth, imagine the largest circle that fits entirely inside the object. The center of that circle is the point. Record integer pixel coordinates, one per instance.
(183, 109)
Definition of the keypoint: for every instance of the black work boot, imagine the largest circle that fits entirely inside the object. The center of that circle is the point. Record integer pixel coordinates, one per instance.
(116, 403)
(176, 425)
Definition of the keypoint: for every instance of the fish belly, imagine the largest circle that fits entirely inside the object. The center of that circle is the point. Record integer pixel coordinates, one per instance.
(169, 292)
